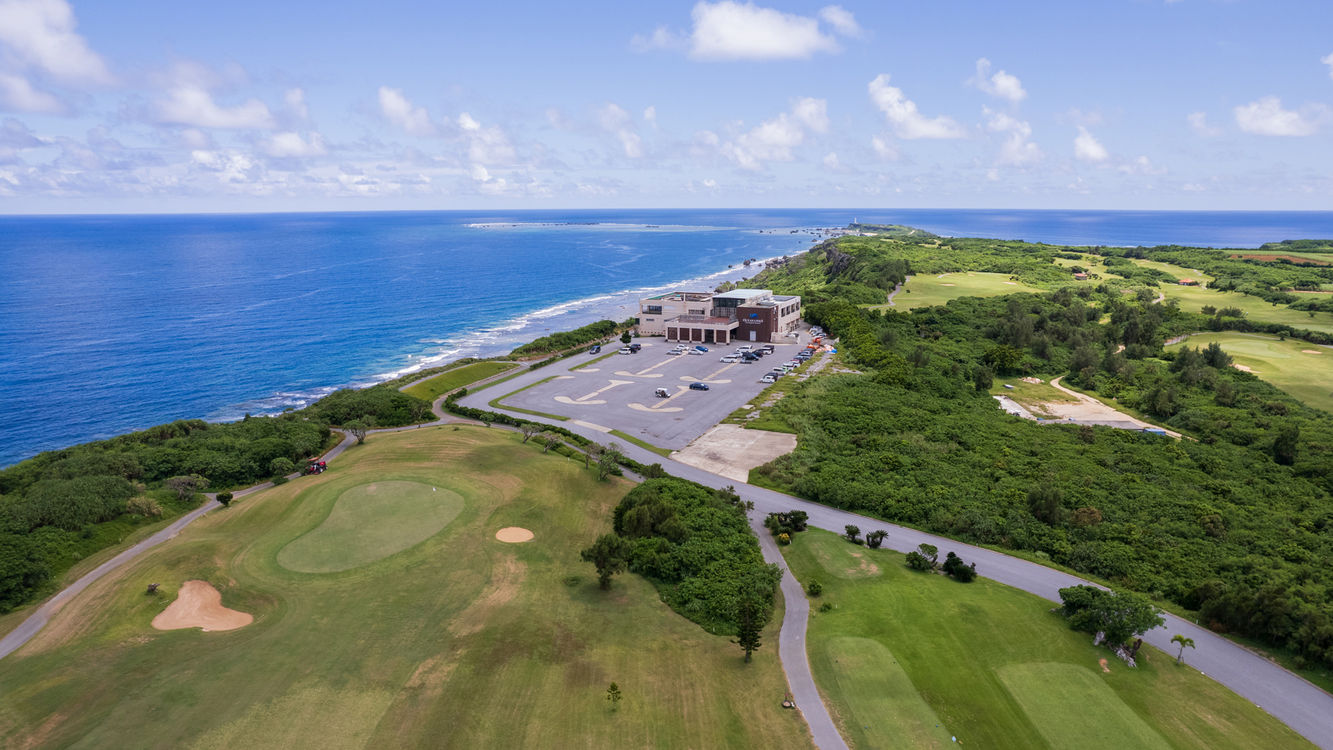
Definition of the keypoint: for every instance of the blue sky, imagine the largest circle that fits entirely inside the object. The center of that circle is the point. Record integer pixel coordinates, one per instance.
(244, 106)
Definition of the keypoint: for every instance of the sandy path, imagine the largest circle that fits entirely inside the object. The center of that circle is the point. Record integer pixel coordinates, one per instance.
(199, 605)
(1090, 409)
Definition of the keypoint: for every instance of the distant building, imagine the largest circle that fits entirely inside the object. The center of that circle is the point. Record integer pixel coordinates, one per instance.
(1188, 282)
(1081, 276)
(719, 318)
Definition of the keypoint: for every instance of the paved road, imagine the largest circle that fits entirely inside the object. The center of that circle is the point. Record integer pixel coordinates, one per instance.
(1300, 704)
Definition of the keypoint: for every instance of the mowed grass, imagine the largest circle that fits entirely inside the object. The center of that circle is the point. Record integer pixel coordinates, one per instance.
(1194, 298)
(434, 387)
(927, 291)
(370, 522)
(994, 667)
(1289, 364)
(456, 641)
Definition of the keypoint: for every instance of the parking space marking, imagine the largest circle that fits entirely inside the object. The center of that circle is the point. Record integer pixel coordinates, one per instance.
(662, 405)
(588, 399)
(645, 373)
(712, 378)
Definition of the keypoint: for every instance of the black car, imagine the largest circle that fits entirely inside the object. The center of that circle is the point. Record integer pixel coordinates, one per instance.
(749, 356)
(596, 349)
(698, 386)
(635, 347)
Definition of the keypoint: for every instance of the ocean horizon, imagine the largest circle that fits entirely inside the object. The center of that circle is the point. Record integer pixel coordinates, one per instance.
(111, 323)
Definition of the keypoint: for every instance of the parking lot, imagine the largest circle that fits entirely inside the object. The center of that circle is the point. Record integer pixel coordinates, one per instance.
(619, 392)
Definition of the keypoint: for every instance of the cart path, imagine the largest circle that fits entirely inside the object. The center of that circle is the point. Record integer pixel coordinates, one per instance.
(1091, 402)
(896, 289)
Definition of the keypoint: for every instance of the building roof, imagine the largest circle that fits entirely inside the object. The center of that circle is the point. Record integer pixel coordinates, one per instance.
(743, 294)
(785, 297)
(686, 296)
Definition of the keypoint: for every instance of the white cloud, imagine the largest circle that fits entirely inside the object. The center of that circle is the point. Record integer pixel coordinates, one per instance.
(733, 31)
(40, 34)
(231, 167)
(17, 94)
(468, 123)
(1088, 148)
(617, 121)
(1328, 60)
(650, 115)
(1142, 165)
(883, 149)
(1267, 117)
(295, 100)
(841, 20)
(486, 145)
(1199, 122)
(773, 140)
(902, 113)
(400, 111)
(192, 104)
(1016, 150)
(1001, 84)
(661, 38)
(831, 161)
(292, 145)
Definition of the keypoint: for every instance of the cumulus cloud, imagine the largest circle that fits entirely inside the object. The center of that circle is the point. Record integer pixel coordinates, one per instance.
(902, 113)
(486, 145)
(293, 145)
(1000, 84)
(1016, 150)
(193, 105)
(618, 122)
(40, 35)
(729, 30)
(883, 148)
(775, 139)
(843, 21)
(17, 94)
(400, 111)
(1088, 148)
(1267, 117)
(1199, 122)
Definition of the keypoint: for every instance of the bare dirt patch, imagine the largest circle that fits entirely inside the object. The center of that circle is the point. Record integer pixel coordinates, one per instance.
(1242, 368)
(1310, 351)
(730, 450)
(1032, 380)
(514, 535)
(199, 605)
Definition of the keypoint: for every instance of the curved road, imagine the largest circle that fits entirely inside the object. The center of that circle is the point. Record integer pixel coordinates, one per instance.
(1300, 704)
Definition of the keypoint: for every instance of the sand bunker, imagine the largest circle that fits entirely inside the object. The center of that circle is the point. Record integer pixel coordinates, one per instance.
(1242, 368)
(947, 284)
(514, 534)
(199, 605)
(1310, 351)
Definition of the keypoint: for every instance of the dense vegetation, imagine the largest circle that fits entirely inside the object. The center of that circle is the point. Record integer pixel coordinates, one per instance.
(1237, 523)
(695, 545)
(565, 339)
(380, 406)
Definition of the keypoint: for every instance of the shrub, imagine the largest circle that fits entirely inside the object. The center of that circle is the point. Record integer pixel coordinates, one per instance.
(143, 505)
(281, 466)
(875, 538)
(814, 588)
(918, 561)
(225, 498)
(959, 570)
(784, 539)
(852, 533)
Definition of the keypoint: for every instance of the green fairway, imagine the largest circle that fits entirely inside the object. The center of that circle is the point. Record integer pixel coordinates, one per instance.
(926, 291)
(434, 387)
(455, 640)
(370, 522)
(1297, 367)
(994, 667)
(1180, 272)
(1193, 298)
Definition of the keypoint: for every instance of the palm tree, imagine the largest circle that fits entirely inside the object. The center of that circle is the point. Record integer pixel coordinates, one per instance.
(1184, 642)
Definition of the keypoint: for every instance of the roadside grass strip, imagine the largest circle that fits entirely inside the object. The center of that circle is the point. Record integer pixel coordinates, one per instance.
(1072, 707)
(434, 387)
(884, 703)
(369, 522)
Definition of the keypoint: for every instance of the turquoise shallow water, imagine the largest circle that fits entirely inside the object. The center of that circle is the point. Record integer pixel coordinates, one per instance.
(114, 323)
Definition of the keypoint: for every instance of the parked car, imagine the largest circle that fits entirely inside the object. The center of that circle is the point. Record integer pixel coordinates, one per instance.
(676, 352)
(744, 348)
(662, 393)
(701, 348)
(766, 349)
(635, 347)
(769, 378)
(730, 358)
(698, 386)
(596, 349)
(695, 352)
(625, 350)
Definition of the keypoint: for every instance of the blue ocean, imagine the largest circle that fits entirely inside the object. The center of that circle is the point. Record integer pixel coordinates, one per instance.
(115, 323)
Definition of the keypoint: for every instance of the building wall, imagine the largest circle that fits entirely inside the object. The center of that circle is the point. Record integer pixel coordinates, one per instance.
(652, 323)
(757, 324)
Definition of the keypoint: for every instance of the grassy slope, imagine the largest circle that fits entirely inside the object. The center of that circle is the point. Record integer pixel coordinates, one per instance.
(1193, 298)
(432, 388)
(460, 641)
(925, 291)
(1285, 364)
(994, 666)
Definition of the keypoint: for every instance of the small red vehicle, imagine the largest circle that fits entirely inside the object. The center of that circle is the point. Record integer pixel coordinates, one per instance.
(316, 466)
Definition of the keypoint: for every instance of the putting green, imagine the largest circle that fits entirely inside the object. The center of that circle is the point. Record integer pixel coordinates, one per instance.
(370, 522)
(1072, 707)
(1297, 367)
(882, 698)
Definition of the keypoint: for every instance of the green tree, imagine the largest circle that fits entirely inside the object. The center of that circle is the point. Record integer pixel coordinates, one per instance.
(852, 533)
(608, 555)
(185, 486)
(1284, 445)
(982, 379)
(625, 338)
(1184, 643)
(750, 620)
(1044, 502)
(281, 466)
(875, 538)
(359, 428)
(955, 568)
(608, 460)
(613, 696)
(225, 498)
(1119, 615)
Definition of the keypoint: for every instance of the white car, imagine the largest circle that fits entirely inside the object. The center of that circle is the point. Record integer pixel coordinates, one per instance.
(768, 379)
(695, 352)
(745, 348)
(674, 352)
(625, 350)
(730, 359)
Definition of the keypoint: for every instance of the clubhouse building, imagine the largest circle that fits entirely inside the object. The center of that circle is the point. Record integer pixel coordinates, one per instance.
(746, 315)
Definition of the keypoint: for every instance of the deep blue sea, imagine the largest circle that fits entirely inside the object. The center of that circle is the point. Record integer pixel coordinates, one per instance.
(115, 323)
